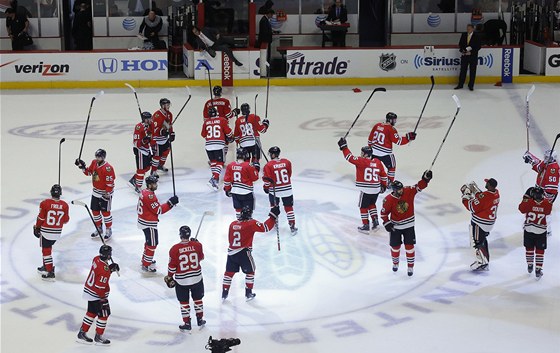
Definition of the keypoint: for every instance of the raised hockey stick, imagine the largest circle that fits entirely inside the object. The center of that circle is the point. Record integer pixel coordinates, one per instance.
(135, 96)
(267, 90)
(184, 105)
(99, 94)
(458, 103)
(172, 167)
(59, 155)
(378, 89)
(549, 157)
(425, 103)
(206, 213)
(80, 203)
(527, 114)
(256, 96)
(271, 181)
(209, 82)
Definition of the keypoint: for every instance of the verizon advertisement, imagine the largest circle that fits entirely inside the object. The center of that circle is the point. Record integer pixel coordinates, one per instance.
(108, 66)
(503, 61)
(552, 62)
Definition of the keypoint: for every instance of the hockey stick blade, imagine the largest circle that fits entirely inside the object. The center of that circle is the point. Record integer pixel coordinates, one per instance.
(380, 89)
(78, 203)
(530, 93)
(99, 94)
(432, 79)
(61, 141)
(457, 101)
(130, 86)
(188, 91)
(208, 213)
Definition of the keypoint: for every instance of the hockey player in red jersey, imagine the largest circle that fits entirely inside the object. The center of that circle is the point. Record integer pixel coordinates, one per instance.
(381, 140)
(238, 182)
(217, 133)
(53, 215)
(277, 177)
(149, 209)
(103, 179)
(241, 233)
(185, 275)
(163, 135)
(548, 172)
(247, 132)
(398, 219)
(536, 208)
(222, 105)
(141, 146)
(371, 180)
(96, 292)
(483, 206)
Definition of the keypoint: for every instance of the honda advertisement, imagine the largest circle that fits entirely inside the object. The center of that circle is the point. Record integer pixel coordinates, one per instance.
(93, 66)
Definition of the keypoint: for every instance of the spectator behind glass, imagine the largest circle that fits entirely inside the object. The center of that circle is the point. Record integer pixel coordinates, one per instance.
(151, 25)
(209, 39)
(82, 29)
(263, 10)
(155, 9)
(20, 9)
(265, 32)
(338, 12)
(137, 7)
(17, 26)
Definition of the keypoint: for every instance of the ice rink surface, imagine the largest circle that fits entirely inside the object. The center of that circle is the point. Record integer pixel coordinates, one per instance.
(330, 288)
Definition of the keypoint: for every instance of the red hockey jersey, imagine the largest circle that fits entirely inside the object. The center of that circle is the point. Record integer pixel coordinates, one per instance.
(280, 171)
(215, 130)
(163, 121)
(222, 105)
(102, 176)
(239, 178)
(142, 130)
(535, 214)
(241, 233)
(97, 283)
(400, 210)
(370, 173)
(246, 130)
(149, 209)
(484, 208)
(53, 215)
(184, 262)
(382, 137)
(548, 177)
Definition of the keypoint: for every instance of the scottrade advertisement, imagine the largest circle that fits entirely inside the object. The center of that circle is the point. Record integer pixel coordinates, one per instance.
(128, 65)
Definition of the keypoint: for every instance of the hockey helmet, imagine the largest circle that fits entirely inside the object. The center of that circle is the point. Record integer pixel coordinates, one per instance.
(241, 153)
(56, 191)
(537, 193)
(246, 213)
(105, 252)
(150, 180)
(550, 156)
(217, 91)
(391, 118)
(396, 185)
(185, 232)
(212, 112)
(245, 109)
(367, 151)
(274, 151)
(100, 153)
(145, 116)
(164, 101)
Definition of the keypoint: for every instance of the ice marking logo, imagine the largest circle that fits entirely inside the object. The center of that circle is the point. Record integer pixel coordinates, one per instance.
(72, 130)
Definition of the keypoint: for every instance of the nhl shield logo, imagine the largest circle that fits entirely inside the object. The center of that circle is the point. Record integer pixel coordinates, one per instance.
(387, 61)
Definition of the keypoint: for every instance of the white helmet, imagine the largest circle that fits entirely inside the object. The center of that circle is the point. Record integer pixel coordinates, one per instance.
(550, 156)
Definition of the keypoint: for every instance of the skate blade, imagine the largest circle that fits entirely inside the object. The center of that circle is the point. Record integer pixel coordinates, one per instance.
(102, 344)
(83, 342)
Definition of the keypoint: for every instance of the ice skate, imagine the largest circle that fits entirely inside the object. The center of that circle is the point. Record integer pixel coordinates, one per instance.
(410, 271)
(225, 294)
(538, 274)
(530, 268)
(95, 234)
(108, 234)
(293, 229)
(395, 267)
(49, 277)
(100, 341)
(185, 327)
(132, 184)
(200, 322)
(364, 228)
(375, 226)
(42, 270)
(162, 168)
(249, 295)
(149, 270)
(213, 184)
(83, 338)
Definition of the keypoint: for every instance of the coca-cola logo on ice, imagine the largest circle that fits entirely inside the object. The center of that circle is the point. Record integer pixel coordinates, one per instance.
(73, 130)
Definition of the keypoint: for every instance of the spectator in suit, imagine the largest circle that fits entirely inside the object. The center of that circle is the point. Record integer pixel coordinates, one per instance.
(338, 14)
(469, 45)
(17, 25)
(210, 40)
(263, 10)
(265, 33)
(151, 25)
(82, 30)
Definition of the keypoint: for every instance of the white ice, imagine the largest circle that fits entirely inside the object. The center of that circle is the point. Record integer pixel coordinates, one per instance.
(330, 288)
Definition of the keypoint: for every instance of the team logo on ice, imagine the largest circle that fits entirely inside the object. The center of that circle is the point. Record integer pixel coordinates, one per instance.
(387, 61)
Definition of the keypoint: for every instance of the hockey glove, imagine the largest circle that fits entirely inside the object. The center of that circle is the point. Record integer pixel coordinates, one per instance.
(194, 239)
(266, 123)
(114, 267)
(383, 188)
(236, 111)
(390, 227)
(146, 140)
(173, 200)
(229, 139)
(274, 212)
(257, 166)
(528, 158)
(164, 132)
(228, 193)
(342, 144)
(266, 190)
(37, 232)
(172, 137)
(169, 281)
(529, 192)
(411, 136)
(427, 176)
(80, 163)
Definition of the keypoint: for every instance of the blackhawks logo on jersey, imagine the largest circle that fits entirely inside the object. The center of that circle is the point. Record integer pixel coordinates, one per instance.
(402, 207)
(552, 170)
(95, 176)
(106, 268)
